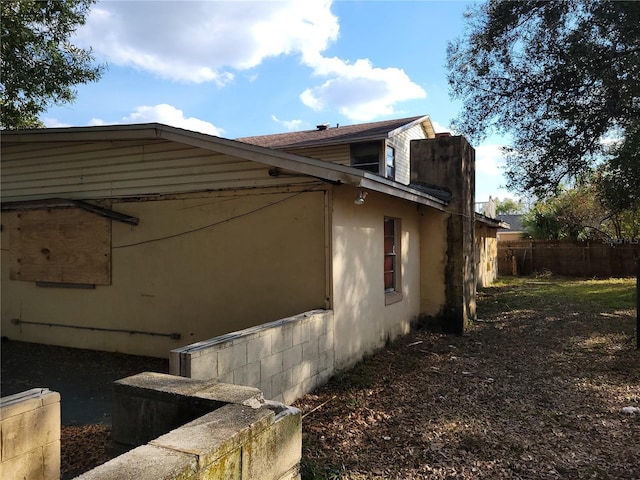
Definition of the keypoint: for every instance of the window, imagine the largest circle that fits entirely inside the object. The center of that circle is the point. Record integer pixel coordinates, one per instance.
(366, 156)
(391, 163)
(391, 261)
(60, 245)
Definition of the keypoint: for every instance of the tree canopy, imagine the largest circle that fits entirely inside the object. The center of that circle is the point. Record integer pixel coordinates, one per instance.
(509, 206)
(39, 65)
(579, 214)
(561, 79)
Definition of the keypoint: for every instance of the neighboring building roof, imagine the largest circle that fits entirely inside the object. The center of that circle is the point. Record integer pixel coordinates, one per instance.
(492, 222)
(324, 135)
(514, 220)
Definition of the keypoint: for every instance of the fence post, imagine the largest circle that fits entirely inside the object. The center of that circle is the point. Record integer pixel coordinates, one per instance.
(638, 302)
(533, 265)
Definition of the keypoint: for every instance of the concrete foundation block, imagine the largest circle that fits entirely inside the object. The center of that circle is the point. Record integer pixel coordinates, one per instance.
(281, 382)
(247, 375)
(282, 339)
(226, 378)
(217, 434)
(326, 360)
(147, 462)
(265, 386)
(258, 348)
(51, 461)
(270, 366)
(291, 356)
(149, 404)
(325, 342)
(204, 367)
(20, 433)
(232, 358)
(28, 465)
(310, 349)
(246, 438)
(301, 371)
(301, 332)
(275, 450)
(30, 435)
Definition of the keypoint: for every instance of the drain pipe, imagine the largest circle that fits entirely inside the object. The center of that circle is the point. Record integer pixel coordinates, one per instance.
(172, 336)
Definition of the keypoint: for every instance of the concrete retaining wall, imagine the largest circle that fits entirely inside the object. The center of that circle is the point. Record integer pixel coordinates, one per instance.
(243, 438)
(30, 435)
(284, 359)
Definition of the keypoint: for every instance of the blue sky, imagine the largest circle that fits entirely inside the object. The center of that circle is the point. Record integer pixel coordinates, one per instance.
(240, 68)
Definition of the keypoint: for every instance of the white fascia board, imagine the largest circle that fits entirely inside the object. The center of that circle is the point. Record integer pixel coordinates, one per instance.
(82, 134)
(382, 185)
(419, 121)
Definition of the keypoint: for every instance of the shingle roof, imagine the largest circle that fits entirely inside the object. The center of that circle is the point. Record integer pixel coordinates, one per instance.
(333, 135)
(514, 220)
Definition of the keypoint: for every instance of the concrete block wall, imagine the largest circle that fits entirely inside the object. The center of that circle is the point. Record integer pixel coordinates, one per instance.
(284, 359)
(242, 438)
(30, 435)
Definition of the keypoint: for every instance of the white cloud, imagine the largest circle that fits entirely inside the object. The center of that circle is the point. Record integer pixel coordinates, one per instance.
(54, 123)
(439, 128)
(202, 41)
(211, 41)
(359, 91)
(288, 124)
(489, 160)
(167, 114)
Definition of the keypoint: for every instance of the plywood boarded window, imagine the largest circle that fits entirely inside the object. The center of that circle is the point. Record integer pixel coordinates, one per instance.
(60, 245)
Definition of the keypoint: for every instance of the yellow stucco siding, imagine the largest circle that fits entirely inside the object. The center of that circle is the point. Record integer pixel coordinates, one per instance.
(200, 266)
(486, 254)
(362, 320)
(433, 259)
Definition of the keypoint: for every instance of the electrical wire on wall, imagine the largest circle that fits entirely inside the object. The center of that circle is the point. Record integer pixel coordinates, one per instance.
(220, 222)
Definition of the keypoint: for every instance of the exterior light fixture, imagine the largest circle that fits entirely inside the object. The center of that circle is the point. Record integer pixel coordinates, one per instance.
(360, 197)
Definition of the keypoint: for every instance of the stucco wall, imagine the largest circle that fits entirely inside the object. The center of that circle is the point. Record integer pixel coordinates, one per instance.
(433, 260)
(363, 322)
(486, 254)
(250, 257)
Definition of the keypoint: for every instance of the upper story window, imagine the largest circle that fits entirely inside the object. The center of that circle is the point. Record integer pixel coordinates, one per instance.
(369, 156)
(366, 156)
(390, 163)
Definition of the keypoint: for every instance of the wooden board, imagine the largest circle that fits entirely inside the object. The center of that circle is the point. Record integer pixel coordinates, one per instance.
(64, 245)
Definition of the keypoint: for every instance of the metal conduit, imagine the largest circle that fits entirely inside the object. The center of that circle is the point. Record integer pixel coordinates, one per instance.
(173, 336)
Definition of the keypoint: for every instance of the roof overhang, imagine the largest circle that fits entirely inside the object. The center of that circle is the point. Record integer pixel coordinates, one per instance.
(491, 222)
(330, 172)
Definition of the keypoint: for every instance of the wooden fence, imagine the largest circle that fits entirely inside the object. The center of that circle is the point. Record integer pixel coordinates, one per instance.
(567, 258)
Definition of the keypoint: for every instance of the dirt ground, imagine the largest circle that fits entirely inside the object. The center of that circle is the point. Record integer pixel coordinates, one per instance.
(535, 390)
(84, 379)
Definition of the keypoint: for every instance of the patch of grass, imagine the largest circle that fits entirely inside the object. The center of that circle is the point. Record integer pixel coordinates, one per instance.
(595, 296)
